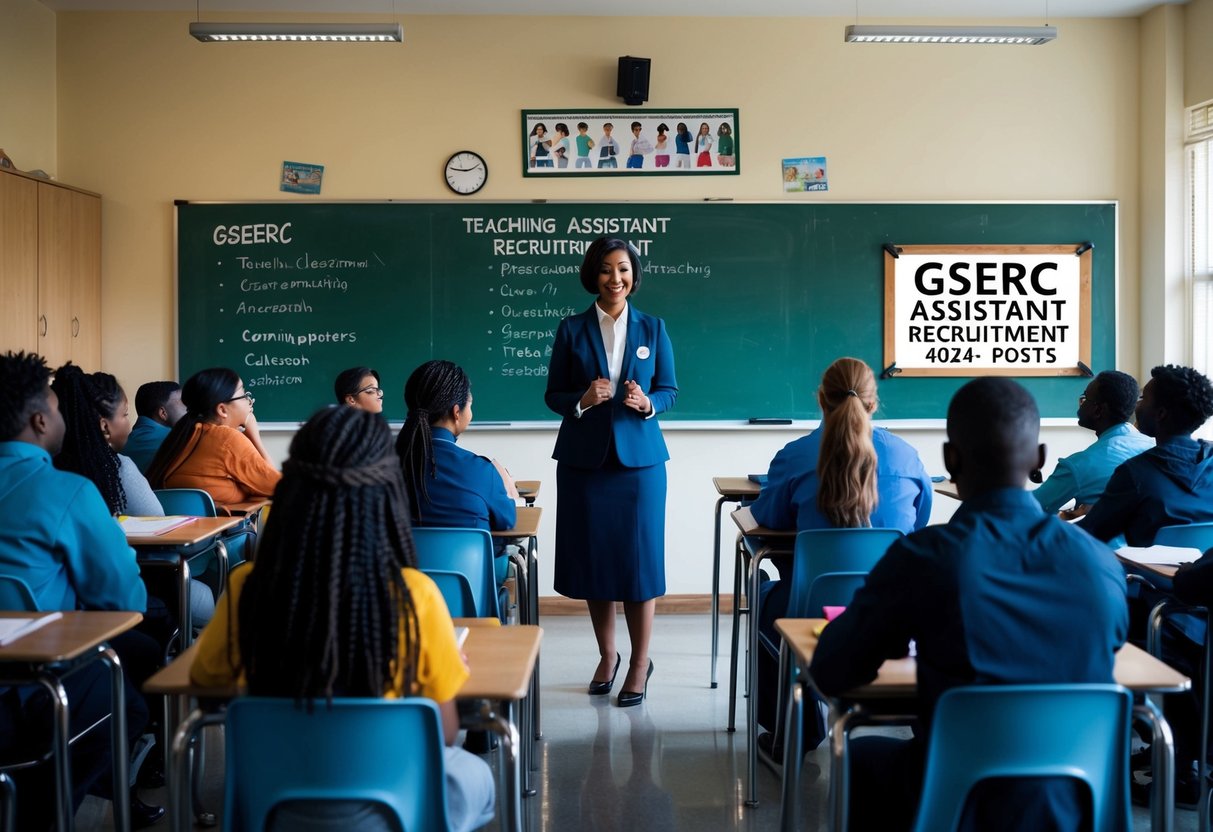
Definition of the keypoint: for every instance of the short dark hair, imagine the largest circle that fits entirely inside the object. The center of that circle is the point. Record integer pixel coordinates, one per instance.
(597, 252)
(995, 422)
(1186, 394)
(24, 380)
(348, 382)
(1119, 391)
(154, 395)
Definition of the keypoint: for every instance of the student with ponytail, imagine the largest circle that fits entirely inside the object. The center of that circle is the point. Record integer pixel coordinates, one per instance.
(449, 485)
(216, 445)
(845, 474)
(335, 606)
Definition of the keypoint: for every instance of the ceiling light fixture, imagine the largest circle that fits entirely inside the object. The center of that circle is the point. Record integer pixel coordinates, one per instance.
(306, 32)
(1020, 35)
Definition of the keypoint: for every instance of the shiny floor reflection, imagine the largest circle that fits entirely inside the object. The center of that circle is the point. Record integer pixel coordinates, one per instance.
(668, 764)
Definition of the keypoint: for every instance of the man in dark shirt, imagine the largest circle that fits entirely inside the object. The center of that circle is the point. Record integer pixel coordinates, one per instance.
(1002, 594)
(1172, 483)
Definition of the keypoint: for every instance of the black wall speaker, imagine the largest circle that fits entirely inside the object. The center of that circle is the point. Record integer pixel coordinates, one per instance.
(633, 86)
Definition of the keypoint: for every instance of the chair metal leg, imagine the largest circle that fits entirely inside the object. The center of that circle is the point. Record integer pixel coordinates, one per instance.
(119, 747)
(1206, 672)
(751, 709)
(738, 611)
(715, 622)
(792, 753)
(8, 804)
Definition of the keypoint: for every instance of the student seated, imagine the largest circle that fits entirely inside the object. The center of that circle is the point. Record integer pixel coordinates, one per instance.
(216, 446)
(359, 387)
(59, 538)
(989, 598)
(97, 421)
(159, 406)
(845, 474)
(1172, 483)
(448, 485)
(340, 532)
(1106, 407)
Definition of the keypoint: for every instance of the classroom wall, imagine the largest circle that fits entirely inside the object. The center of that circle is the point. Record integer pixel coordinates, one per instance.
(1198, 57)
(897, 123)
(27, 67)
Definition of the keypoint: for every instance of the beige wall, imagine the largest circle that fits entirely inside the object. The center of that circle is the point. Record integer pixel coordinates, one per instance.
(1198, 52)
(27, 67)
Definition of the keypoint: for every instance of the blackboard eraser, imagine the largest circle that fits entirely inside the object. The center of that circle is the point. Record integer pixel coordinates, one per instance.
(755, 420)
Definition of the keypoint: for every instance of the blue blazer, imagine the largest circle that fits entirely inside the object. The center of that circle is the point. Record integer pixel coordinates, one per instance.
(578, 358)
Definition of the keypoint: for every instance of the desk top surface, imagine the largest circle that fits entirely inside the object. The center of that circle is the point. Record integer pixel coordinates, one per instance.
(527, 524)
(527, 489)
(749, 526)
(72, 635)
(191, 534)
(1135, 669)
(500, 660)
(247, 507)
(735, 488)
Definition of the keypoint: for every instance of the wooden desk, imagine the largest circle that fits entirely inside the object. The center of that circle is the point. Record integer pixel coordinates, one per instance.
(500, 663)
(765, 543)
(246, 508)
(528, 490)
(526, 570)
(731, 490)
(897, 679)
(44, 657)
(179, 545)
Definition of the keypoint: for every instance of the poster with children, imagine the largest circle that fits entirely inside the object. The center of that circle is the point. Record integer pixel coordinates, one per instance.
(630, 142)
(805, 174)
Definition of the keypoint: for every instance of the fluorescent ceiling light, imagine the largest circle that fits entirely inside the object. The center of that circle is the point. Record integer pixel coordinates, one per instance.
(1022, 35)
(314, 32)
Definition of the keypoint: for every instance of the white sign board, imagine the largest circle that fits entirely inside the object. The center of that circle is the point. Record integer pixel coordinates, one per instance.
(982, 310)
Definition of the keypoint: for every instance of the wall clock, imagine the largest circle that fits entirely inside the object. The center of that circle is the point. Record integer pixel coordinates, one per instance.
(466, 172)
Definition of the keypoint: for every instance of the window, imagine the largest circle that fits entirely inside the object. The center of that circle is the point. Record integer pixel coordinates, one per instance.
(1199, 154)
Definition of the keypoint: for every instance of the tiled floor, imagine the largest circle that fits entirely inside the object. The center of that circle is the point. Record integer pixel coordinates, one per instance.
(668, 764)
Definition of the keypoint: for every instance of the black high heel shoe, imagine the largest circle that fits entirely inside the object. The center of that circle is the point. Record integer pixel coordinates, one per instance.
(628, 698)
(603, 688)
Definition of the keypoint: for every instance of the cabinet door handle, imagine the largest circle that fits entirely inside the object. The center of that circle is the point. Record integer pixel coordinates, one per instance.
(75, 327)
(42, 318)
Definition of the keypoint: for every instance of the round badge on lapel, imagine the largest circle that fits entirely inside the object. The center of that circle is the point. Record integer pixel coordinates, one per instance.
(642, 353)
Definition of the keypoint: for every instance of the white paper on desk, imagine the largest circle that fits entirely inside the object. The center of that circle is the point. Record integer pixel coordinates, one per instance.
(135, 526)
(1159, 555)
(12, 629)
(461, 635)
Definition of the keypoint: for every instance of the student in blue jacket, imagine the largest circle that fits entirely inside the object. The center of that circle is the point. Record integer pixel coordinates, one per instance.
(450, 486)
(611, 373)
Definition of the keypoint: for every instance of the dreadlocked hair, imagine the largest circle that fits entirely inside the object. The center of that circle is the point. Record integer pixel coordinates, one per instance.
(23, 378)
(431, 391)
(85, 399)
(201, 394)
(846, 462)
(326, 611)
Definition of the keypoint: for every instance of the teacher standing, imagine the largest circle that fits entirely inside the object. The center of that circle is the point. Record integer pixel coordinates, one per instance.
(611, 373)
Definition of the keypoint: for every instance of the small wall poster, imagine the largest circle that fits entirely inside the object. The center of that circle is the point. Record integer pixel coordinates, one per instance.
(808, 173)
(300, 178)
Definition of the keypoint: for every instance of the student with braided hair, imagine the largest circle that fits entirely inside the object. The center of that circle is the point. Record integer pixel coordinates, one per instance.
(216, 445)
(340, 530)
(96, 415)
(449, 485)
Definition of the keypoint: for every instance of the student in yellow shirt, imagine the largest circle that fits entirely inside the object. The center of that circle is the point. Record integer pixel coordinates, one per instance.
(340, 530)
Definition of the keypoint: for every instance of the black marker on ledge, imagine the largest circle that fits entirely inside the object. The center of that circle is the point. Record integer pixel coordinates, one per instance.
(758, 420)
(894, 251)
(1084, 248)
(1086, 371)
(890, 371)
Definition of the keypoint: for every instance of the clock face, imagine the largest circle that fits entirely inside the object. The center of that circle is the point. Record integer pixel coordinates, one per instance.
(466, 172)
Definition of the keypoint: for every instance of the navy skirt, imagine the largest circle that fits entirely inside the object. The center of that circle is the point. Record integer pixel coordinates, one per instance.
(610, 532)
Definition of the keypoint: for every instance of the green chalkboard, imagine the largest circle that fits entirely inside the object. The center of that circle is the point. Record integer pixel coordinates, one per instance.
(758, 297)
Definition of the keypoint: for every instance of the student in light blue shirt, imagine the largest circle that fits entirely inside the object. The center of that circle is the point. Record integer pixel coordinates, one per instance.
(159, 406)
(1106, 407)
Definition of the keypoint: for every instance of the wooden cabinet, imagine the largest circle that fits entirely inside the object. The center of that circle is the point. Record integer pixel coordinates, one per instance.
(50, 265)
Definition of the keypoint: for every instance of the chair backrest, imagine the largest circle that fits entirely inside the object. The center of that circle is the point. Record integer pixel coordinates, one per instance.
(1079, 731)
(443, 552)
(1192, 535)
(821, 552)
(388, 751)
(191, 501)
(15, 595)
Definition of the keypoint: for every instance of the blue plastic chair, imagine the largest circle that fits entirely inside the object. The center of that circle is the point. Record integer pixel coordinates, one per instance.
(195, 502)
(15, 595)
(385, 751)
(1193, 535)
(460, 561)
(1079, 731)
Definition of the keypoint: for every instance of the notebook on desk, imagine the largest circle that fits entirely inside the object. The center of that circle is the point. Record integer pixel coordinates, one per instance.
(135, 526)
(1158, 555)
(12, 629)
(461, 635)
